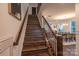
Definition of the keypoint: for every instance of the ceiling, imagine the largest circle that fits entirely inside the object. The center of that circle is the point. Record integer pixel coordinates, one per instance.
(58, 11)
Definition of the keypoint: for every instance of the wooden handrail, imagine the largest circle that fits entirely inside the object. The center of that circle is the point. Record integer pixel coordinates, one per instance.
(47, 40)
(39, 6)
(20, 32)
(59, 41)
(49, 27)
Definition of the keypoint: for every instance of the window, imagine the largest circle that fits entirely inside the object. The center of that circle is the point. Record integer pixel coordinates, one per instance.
(73, 26)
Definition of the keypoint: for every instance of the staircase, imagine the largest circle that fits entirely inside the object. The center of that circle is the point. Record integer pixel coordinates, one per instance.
(34, 42)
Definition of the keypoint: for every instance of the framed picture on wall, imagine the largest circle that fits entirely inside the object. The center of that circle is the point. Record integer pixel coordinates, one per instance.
(14, 9)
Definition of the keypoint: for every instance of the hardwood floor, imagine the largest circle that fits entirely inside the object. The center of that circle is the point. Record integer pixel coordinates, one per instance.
(69, 50)
(34, 43)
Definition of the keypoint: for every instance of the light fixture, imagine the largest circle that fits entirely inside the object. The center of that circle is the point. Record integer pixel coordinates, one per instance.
(65, 24)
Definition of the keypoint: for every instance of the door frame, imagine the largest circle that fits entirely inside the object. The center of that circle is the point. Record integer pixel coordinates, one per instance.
(36, 10)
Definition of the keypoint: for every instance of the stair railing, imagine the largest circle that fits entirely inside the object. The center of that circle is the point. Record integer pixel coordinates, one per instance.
(21, 28)
(54, 42)
(50, 38)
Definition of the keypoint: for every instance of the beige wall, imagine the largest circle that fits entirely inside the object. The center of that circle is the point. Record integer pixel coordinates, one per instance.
(77, 21)
(10, 25)
(40, 16)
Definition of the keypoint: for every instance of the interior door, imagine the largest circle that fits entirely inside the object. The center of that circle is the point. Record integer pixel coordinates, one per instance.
(33, 10)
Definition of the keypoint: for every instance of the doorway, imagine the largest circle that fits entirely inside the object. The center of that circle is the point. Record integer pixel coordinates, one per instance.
(33, 10)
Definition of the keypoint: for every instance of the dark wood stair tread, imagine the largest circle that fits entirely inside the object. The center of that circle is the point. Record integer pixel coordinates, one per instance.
(27, 39)
(32, 48)
(34, 37)
(42, 52)
(35, 41)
